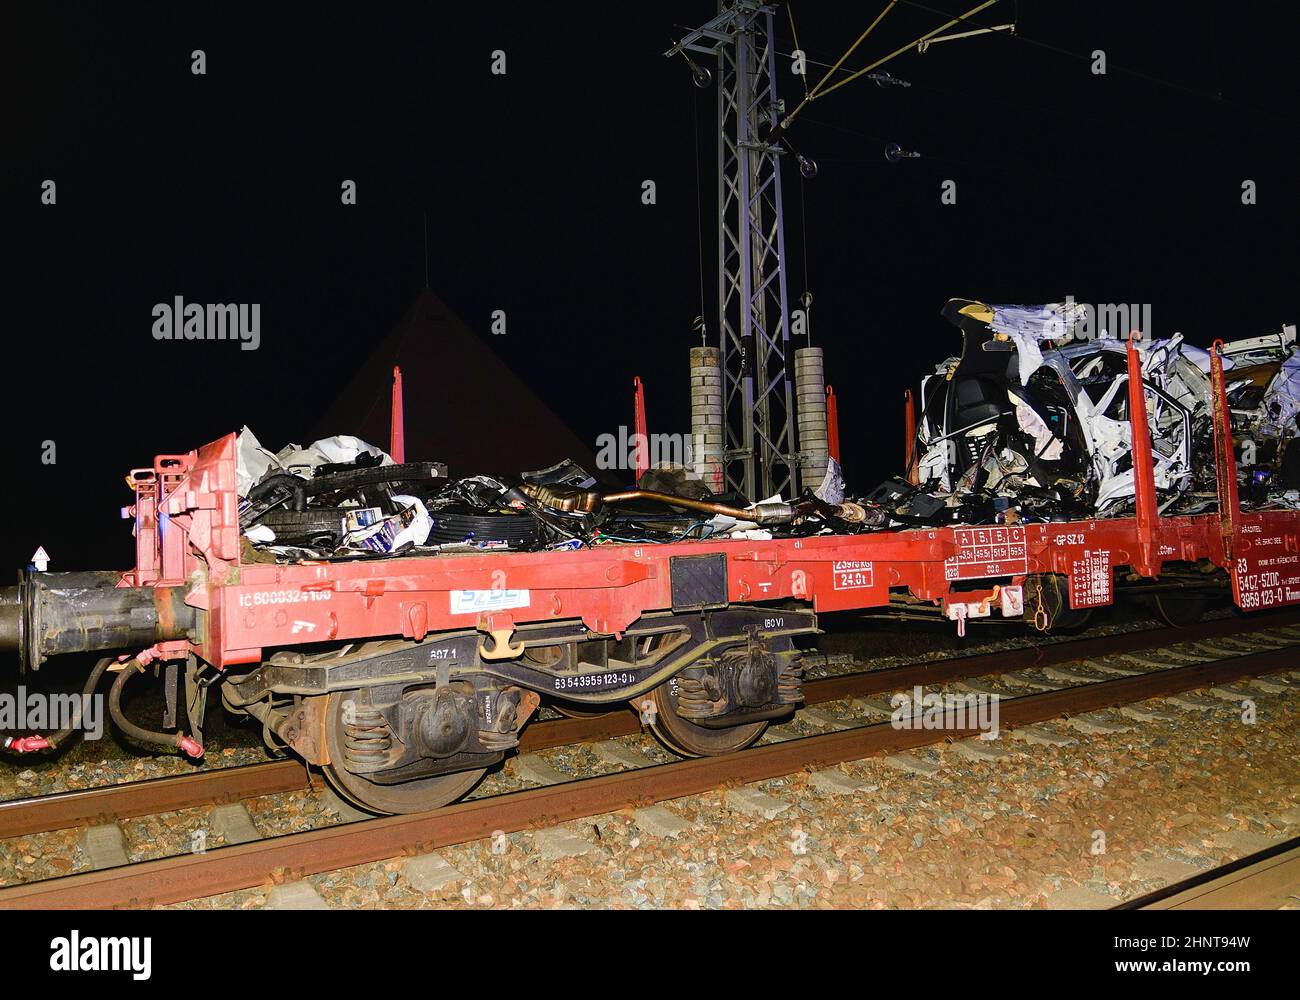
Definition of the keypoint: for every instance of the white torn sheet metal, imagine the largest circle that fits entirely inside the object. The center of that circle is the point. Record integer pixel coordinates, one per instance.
(253, 461)
(832, 488)
(1281, 402)
(1028, 326)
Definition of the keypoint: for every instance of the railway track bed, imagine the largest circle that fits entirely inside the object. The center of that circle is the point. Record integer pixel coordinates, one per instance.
(837, 809)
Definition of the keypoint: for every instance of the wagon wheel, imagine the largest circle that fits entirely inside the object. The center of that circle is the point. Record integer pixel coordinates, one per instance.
(577, 710)
(550, 656)
(686, 738)
(1178, 610)
(417, 795)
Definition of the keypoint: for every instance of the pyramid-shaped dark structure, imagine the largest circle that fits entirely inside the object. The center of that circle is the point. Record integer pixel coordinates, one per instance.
(462, 405)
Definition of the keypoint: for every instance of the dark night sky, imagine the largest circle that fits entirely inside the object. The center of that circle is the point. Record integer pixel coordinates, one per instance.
(225, 188)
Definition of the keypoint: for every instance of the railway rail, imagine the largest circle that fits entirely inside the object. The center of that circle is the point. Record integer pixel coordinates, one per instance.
(1267, 879)
(294, 856)
(41, 814)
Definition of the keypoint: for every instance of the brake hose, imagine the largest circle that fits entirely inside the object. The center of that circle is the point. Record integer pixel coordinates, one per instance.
(177, 740)
(29, 744)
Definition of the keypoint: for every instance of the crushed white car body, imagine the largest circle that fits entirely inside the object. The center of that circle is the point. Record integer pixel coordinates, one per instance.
(1030, 421)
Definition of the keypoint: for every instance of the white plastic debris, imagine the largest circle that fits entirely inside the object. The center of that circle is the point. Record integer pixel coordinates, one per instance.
(340, 449)
(411, 525)
(260, 534)
(253, 461)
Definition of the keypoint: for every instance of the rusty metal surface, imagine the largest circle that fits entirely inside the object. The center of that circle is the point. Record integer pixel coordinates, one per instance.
(304, 731)
(295, 856)
(19, 817)
(50, 614)
(11, 618)
(41, 814)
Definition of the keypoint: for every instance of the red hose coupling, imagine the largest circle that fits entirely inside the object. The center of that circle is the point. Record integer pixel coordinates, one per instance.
(191, 747)
(144, 657)
(26, 744)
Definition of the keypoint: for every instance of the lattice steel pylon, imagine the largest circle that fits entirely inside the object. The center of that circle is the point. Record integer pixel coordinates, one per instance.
(753, 314)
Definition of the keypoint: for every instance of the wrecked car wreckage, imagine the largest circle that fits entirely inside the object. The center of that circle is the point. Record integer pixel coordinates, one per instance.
(1027, 425)
(343, 499)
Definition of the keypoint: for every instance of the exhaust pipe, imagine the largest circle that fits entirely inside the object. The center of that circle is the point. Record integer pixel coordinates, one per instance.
(767, 513)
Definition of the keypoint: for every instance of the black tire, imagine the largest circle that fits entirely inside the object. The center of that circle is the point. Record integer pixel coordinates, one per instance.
(516, 530)
(294, 527)
(301, 526)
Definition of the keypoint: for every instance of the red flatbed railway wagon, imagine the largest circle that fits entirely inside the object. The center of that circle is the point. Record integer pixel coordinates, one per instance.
(406, 678)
